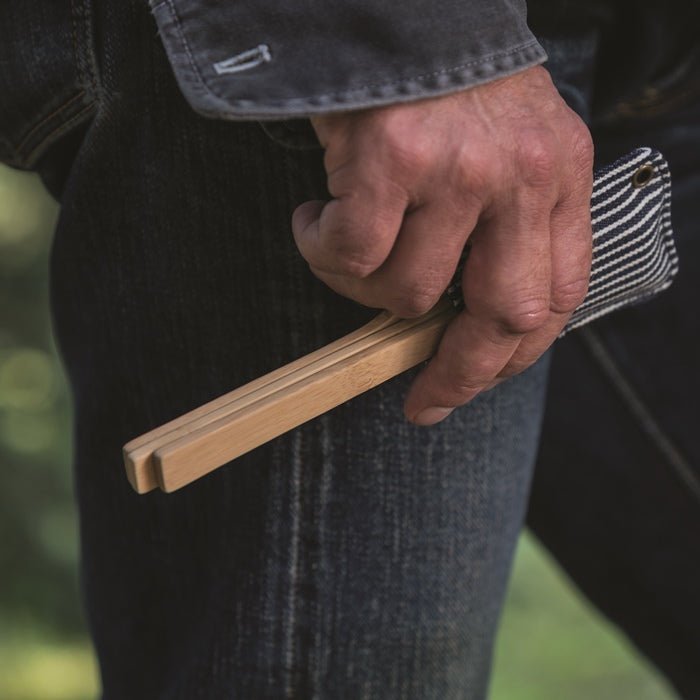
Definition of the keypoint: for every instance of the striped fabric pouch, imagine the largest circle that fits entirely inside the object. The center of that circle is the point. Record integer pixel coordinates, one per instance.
(634, 257)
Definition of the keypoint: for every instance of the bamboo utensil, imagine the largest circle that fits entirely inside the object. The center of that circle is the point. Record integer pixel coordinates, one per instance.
(194, 444)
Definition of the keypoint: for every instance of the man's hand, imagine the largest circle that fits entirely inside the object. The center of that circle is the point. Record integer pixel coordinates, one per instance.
(507, 166)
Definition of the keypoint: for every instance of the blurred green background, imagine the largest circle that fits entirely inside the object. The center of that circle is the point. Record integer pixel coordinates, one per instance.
(552, 645)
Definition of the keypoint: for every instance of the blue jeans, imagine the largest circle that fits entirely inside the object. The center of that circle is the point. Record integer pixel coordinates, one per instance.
(357, 556)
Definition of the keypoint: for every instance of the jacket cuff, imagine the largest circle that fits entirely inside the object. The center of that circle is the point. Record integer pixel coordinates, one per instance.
(262, 59)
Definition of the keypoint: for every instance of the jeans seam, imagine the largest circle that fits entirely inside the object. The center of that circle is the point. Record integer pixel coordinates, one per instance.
(78, 106)
(35, 127)
(641, 412)
(86, 60)
(66, 125)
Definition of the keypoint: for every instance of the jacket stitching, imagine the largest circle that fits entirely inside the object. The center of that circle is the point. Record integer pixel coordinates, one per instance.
(244, 60)
(185, 43)
(470, 64)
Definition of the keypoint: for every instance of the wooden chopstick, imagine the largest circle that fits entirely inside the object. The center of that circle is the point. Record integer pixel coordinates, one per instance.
(138, 453)
(335, 379)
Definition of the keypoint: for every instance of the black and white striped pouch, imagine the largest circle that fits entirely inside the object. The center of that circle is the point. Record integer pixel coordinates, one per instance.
(634, 257)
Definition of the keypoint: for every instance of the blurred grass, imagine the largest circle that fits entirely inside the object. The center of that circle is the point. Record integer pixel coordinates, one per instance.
(552, 645)
(36, 664)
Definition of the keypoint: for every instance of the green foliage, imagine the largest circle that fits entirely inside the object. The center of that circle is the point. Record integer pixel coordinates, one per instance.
(551, 645)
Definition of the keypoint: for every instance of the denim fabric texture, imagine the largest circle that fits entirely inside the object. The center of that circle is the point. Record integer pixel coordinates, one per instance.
(357, 556)
(271, 60)
(47, 75)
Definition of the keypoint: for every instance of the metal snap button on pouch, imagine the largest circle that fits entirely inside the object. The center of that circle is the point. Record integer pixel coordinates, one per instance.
(642, 176)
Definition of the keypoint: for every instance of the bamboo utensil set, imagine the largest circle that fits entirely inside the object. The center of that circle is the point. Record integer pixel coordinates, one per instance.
(188, 447)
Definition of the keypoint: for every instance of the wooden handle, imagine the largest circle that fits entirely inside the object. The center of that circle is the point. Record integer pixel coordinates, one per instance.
(139, 452)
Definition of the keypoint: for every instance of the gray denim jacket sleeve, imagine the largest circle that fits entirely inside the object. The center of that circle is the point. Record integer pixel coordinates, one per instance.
(276, 59)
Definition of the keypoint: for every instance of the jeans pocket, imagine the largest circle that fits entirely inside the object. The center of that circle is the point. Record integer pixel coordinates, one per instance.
(48, 77)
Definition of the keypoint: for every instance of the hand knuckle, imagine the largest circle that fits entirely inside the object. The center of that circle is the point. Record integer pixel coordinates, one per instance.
(355, 262)
(404, 147)
(525, 315)
(416, 300)
(415, 156)
(461, 384)
(355, 259)
(463, 379)
(464, 388)
(537, 157)
(356, 266)
(357, 249)
(569, 295)
(582, 150)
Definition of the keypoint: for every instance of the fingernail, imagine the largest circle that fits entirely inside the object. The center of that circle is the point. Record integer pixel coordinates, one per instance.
(434, 414)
